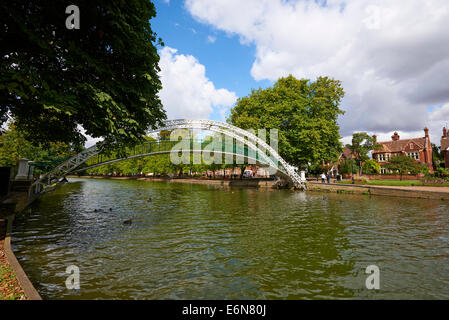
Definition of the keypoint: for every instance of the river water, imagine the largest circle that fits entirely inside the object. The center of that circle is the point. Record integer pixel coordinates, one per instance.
(210, 242)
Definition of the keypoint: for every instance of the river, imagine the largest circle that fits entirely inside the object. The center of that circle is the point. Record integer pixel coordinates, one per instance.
(188, 241)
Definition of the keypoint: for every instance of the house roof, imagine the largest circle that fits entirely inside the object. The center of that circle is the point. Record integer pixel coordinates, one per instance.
(347, 154)
(400, 145)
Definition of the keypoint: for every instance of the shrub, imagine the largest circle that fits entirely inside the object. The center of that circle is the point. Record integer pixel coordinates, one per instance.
(371, 167)
(442, 172)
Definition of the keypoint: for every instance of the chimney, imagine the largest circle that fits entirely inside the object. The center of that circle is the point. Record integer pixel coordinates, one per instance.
(426, 132)
(444, 132)
(374, 138)
(395, 137)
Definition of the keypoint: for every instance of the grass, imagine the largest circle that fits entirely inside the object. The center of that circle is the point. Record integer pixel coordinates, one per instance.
(405, 183)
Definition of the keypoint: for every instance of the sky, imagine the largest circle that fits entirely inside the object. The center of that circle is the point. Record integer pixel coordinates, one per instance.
(391, 56)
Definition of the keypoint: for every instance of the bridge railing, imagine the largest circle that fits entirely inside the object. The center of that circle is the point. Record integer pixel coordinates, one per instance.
(196, 145)
(253, 147)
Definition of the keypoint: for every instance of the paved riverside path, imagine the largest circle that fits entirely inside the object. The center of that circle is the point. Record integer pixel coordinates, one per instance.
(416, 188)
(441, 193)
(412, 188)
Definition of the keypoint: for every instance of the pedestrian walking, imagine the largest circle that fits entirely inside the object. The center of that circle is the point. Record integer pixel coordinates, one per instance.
(323, 177)
(328, 177)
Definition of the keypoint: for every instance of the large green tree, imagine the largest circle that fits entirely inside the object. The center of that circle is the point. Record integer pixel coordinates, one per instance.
(305, 113)
(13, 146)
(102, 76)
(361, 144)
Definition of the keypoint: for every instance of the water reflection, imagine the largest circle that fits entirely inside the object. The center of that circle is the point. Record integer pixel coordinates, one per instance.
(211, 242)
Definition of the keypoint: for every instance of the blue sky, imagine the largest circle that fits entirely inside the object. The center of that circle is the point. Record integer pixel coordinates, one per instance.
(227, 61)
(392, 57)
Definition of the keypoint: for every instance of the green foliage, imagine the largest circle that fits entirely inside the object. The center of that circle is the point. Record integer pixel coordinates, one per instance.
(437, 156)
(159, 164)
(103, 77)
(304, 112)
(405, 165)
(348, 166)
(371, 167)
(361, 144)
(442, 172)
(13, 146)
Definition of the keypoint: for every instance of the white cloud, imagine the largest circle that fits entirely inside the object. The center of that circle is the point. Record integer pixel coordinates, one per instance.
(186, 91)
(441, 113)
(90, 141)
(392, 56)
(211, 39)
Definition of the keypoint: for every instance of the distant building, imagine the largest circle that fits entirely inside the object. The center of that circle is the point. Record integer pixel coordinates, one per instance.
(419, 149)
(445, 147)
(346, 154)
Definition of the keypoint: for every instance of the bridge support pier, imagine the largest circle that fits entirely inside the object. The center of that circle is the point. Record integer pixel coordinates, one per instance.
(24, 171)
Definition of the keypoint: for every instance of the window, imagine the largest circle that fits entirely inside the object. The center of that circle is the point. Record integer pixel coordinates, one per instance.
(381, 156)
(383, 170)
(411, 145)
(413, 155)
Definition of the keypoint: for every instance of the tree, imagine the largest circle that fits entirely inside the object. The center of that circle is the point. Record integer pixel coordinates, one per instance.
(103, 77)
(405, 165)
(304, 112)
(371, 167)
(361, 144)
(14, 146)
(348, 166)
(438, 156)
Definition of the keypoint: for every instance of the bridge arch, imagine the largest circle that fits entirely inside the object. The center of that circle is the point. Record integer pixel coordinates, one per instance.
(243, 136)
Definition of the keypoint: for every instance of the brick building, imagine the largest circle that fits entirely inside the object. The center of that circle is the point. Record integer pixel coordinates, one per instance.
(445, 147)
(346, 154)
(419, 149)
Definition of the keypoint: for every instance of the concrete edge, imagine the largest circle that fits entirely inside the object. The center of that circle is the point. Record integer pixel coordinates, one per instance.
(380, 191)
(392, 188)
(30, 292)
(228, 182)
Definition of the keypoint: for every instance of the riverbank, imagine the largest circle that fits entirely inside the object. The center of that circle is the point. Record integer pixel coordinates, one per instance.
(14, 283)
(417, 192)
(10, 288)
(254, 183)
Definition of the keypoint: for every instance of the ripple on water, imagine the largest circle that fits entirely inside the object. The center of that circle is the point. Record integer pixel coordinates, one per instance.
(204, 242)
